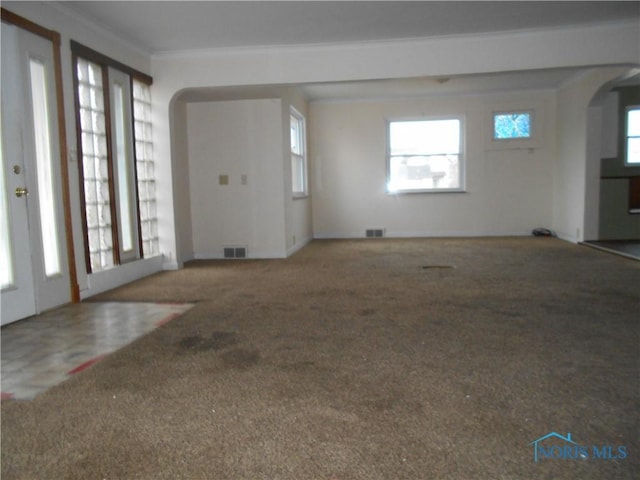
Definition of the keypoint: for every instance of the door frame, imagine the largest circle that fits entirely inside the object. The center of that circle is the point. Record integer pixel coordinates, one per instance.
(54, 38)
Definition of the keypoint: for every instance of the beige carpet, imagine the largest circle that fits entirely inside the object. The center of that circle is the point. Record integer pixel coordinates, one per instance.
(363, 359)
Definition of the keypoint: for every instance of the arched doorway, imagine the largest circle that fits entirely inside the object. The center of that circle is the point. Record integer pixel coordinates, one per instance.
(613, 180)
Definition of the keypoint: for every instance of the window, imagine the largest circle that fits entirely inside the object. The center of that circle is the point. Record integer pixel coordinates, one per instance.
(95, 166)
(44, 167)
(145, 167)
(511, 125)
(632, 140)
(6, 258)
(114, 145)
(298, 155)
(425, 156)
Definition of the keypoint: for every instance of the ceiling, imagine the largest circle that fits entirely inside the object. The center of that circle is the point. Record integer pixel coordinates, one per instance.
(399, 88)
(173, 26)
(160, 27)
(454, 85)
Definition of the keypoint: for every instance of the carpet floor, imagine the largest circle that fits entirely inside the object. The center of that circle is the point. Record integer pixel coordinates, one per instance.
(360, 359)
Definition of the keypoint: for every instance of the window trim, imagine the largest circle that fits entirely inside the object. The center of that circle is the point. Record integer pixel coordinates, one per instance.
(106, 63)
(303, 157)
(532, 122)
(130, 169)
(97, 57)
(626, 136)
(461, 155)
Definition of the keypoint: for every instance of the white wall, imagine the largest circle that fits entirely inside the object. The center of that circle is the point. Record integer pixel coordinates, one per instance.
(595, 137)
(609, 128)
(236, 138)
(508, 187)
(181, 184)
(445, 56)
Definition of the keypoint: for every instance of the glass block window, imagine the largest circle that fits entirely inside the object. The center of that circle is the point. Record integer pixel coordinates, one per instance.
(113, 112)
(512, 125)
(95, 165)
(145, 167)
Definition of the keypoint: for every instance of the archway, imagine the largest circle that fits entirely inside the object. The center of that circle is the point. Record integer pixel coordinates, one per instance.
(611, 221)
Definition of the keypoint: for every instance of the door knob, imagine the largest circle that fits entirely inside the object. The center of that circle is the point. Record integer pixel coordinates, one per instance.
(21, 192)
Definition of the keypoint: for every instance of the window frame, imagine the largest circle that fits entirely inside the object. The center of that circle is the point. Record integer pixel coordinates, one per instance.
(125, 76)
(626, 135)
(532, 124)
(461, 156)
(145, 167)
(124, 169)
(299, 157)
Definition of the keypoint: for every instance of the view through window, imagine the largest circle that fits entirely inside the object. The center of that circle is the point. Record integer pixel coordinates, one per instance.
(298, 155)
(511, 125)
(633, 136)
(425, 156)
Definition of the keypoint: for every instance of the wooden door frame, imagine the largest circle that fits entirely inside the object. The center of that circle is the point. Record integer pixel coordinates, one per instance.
(54, 37)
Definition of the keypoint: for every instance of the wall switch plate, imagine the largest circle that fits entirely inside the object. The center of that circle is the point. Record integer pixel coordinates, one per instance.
(243, 180)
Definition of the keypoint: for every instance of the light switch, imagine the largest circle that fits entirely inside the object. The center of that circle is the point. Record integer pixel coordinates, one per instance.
(223, 179)
(243, 180)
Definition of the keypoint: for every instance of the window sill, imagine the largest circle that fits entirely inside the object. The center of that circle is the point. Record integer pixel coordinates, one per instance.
(437, 191)
(300, 196)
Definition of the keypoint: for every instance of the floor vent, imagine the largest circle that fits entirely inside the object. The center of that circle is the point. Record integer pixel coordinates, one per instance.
(235, 252)
(374, 232)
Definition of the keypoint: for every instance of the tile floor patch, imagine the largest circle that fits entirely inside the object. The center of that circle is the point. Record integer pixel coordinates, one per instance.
(42, 351)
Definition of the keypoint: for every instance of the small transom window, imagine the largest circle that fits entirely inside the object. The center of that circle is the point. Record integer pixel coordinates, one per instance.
(512, 125)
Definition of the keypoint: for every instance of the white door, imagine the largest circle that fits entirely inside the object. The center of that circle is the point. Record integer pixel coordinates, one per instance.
(34, 273)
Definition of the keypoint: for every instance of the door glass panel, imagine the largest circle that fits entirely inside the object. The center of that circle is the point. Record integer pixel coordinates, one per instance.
(44, 167)
(124, 205)
(6, 258)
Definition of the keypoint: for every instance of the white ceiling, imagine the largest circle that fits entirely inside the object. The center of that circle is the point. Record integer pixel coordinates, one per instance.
(403, 88)
(456, 85)
(178, 26)
(170, 26)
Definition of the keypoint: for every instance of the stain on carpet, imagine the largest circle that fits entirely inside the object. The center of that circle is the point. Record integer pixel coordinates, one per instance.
(240, 358)
(217, 341)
